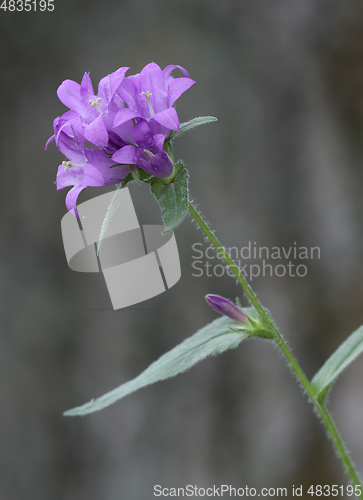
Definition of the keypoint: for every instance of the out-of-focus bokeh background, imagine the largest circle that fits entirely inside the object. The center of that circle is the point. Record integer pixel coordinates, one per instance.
(283, 164)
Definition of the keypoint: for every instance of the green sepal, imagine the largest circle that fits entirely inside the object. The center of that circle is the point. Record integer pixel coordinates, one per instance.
(135, 174)
(263, 334)
(127, 179)
(172, 196)
(169, 149)
(252, 321)
(145, 176)
(189, 125)
(255, 326)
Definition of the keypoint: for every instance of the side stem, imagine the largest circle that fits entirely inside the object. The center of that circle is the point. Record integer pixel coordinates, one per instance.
(269, 324)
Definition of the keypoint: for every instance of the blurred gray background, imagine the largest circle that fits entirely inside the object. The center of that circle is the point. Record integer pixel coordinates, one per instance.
(283, 164)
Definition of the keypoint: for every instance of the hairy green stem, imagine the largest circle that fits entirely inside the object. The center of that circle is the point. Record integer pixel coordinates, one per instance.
(269, 324)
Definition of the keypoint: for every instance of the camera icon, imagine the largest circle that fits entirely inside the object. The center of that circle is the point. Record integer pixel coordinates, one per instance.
(138, 262)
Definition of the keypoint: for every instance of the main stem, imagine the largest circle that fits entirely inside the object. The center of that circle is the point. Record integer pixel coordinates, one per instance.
(269, 324)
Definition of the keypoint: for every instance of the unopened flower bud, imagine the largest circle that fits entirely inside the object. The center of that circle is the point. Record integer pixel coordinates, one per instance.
(226, 307)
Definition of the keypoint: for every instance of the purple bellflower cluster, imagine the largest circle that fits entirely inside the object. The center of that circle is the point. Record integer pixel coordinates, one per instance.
(127, 123)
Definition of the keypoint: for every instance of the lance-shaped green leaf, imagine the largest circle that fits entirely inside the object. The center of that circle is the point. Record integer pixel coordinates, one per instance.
(172, 197)
(213, 339)
(195, 122)
(333, 367)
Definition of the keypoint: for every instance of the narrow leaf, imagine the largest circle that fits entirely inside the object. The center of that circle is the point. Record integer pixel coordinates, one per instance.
(116, 200)
(333, 367)
(195, 122)
(135, 174)
(213, 339)
(172, 198)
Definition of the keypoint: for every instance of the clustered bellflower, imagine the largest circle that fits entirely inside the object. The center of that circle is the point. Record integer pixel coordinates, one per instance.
(126, 123)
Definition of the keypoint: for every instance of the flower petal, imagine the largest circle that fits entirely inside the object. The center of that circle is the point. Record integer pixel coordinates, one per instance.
(92, 176)
(168, 69)
(77, 129)
(70, 149)
(168, 118)
(73, 176)
(49, 141)
(159, 165)
(104, 164)
(98, 157)
(156, 128)
(124, 115)
(71, 199)
(96, 133)
(77, 99)
(226, 307)
(110, 83)
(128, 154)
(177, 87)
(162, 164)
(116, 173)
(64, 124)
(125, 132)
(159, 140)
(129, 91)
(86, 83)
(152, 81)
(143, 136)
(146, 165)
